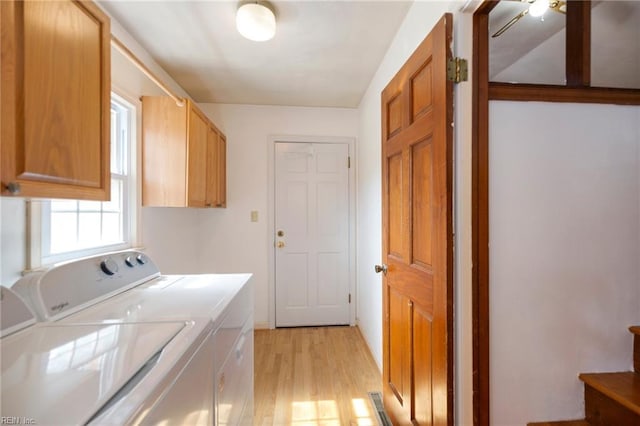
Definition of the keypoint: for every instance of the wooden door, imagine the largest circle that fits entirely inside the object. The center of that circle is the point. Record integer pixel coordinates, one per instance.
(417, 116)
(55, 109)
(213, 175)
(198, 129)
(312, 234)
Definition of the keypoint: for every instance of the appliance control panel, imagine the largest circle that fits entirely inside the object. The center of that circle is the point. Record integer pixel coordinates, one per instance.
(69, 287)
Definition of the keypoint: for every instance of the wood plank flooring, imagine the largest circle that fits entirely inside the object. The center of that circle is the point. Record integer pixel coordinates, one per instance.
(314, 376)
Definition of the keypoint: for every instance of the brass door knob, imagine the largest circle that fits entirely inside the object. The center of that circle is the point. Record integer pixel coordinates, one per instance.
(381, 268)
(280, 244)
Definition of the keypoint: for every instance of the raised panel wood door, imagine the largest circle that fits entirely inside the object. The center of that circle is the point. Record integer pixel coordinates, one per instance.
(417, 115)
(55, 99)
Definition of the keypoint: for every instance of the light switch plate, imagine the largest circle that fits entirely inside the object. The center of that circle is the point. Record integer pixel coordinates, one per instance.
(254, 215)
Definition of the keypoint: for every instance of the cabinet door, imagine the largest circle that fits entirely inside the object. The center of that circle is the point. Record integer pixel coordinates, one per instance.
(164, 152)
(55, 109)
(197, 152)
(212, 167)
(221, 199)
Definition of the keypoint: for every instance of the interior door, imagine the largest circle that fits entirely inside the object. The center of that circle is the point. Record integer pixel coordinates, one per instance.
(312, 234)
(417, 117)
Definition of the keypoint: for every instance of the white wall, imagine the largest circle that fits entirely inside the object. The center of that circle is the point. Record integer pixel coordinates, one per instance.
(419, 20)
(230, 241)
(565, 251)
(13, 231)
(172, 238)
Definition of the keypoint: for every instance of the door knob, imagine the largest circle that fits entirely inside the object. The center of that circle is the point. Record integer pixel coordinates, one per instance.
(280, 244)
(280, 233)
(381, 268)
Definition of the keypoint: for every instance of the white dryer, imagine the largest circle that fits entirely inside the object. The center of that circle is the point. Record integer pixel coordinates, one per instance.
(131, 289)
(108, 374)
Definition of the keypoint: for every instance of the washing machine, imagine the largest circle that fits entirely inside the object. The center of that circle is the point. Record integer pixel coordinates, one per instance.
(105, 373)
(128, 287)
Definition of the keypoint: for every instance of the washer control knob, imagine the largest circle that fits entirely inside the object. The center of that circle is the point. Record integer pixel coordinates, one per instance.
(141, 259)
(108, 266)
(130, 261)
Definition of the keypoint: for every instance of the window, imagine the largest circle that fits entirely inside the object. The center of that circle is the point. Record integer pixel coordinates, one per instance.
(75, 228)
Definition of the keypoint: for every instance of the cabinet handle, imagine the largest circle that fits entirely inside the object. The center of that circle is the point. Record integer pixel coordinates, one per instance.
(13, 188)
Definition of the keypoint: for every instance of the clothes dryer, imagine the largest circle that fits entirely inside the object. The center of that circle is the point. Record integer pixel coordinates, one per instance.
(127, 287)
(104, 373)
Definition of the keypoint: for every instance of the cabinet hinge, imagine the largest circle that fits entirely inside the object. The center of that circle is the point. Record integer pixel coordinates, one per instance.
(457, 70)
(349, 162)
(349, 297)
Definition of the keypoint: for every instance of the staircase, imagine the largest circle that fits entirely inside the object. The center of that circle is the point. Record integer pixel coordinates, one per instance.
(610, 399)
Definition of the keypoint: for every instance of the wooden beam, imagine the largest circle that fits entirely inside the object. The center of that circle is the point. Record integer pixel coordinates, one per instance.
(548, 93)
(578, 43)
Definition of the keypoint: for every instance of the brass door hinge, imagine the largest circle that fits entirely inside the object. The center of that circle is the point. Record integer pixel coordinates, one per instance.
(349, 297)
(348, 162)
(457, 70)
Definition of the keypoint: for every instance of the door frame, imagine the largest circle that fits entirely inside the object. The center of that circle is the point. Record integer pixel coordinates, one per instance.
(271, 216)
(484, 91)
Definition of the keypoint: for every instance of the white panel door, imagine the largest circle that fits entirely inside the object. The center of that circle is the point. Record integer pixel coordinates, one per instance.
(312, 234)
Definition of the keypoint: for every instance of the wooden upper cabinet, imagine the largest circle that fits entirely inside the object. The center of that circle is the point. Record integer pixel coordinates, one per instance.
(180, 155)
(55, 109)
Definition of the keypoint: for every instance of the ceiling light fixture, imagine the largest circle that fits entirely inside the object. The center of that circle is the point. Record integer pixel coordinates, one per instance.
(538, 8)
(256, 21)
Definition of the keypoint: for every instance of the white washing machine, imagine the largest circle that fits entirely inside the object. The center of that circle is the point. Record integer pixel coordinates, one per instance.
(131, 289)
(107, 374)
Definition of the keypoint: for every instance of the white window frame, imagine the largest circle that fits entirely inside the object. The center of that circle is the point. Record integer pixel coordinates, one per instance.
(38, 232)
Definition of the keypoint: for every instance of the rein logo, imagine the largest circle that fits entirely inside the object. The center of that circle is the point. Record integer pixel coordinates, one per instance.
(59, 307)
(13, 420)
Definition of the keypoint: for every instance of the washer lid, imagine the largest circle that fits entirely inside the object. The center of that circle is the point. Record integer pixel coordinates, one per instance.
(65, 374)
(14, 312)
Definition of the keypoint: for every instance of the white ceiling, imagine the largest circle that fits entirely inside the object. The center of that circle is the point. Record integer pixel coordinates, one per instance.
(324, 53)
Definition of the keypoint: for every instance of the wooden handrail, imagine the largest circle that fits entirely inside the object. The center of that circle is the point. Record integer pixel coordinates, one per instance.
(142, 67)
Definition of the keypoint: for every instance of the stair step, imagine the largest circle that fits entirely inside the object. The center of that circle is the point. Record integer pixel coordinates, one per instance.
(561, 423)
(612, 398)
(636, 347)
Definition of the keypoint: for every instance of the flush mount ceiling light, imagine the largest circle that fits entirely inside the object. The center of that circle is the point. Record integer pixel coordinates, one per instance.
(256, 21)
(538, 8)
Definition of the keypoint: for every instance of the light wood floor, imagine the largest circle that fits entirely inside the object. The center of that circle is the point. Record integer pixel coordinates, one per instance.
(314, 376)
